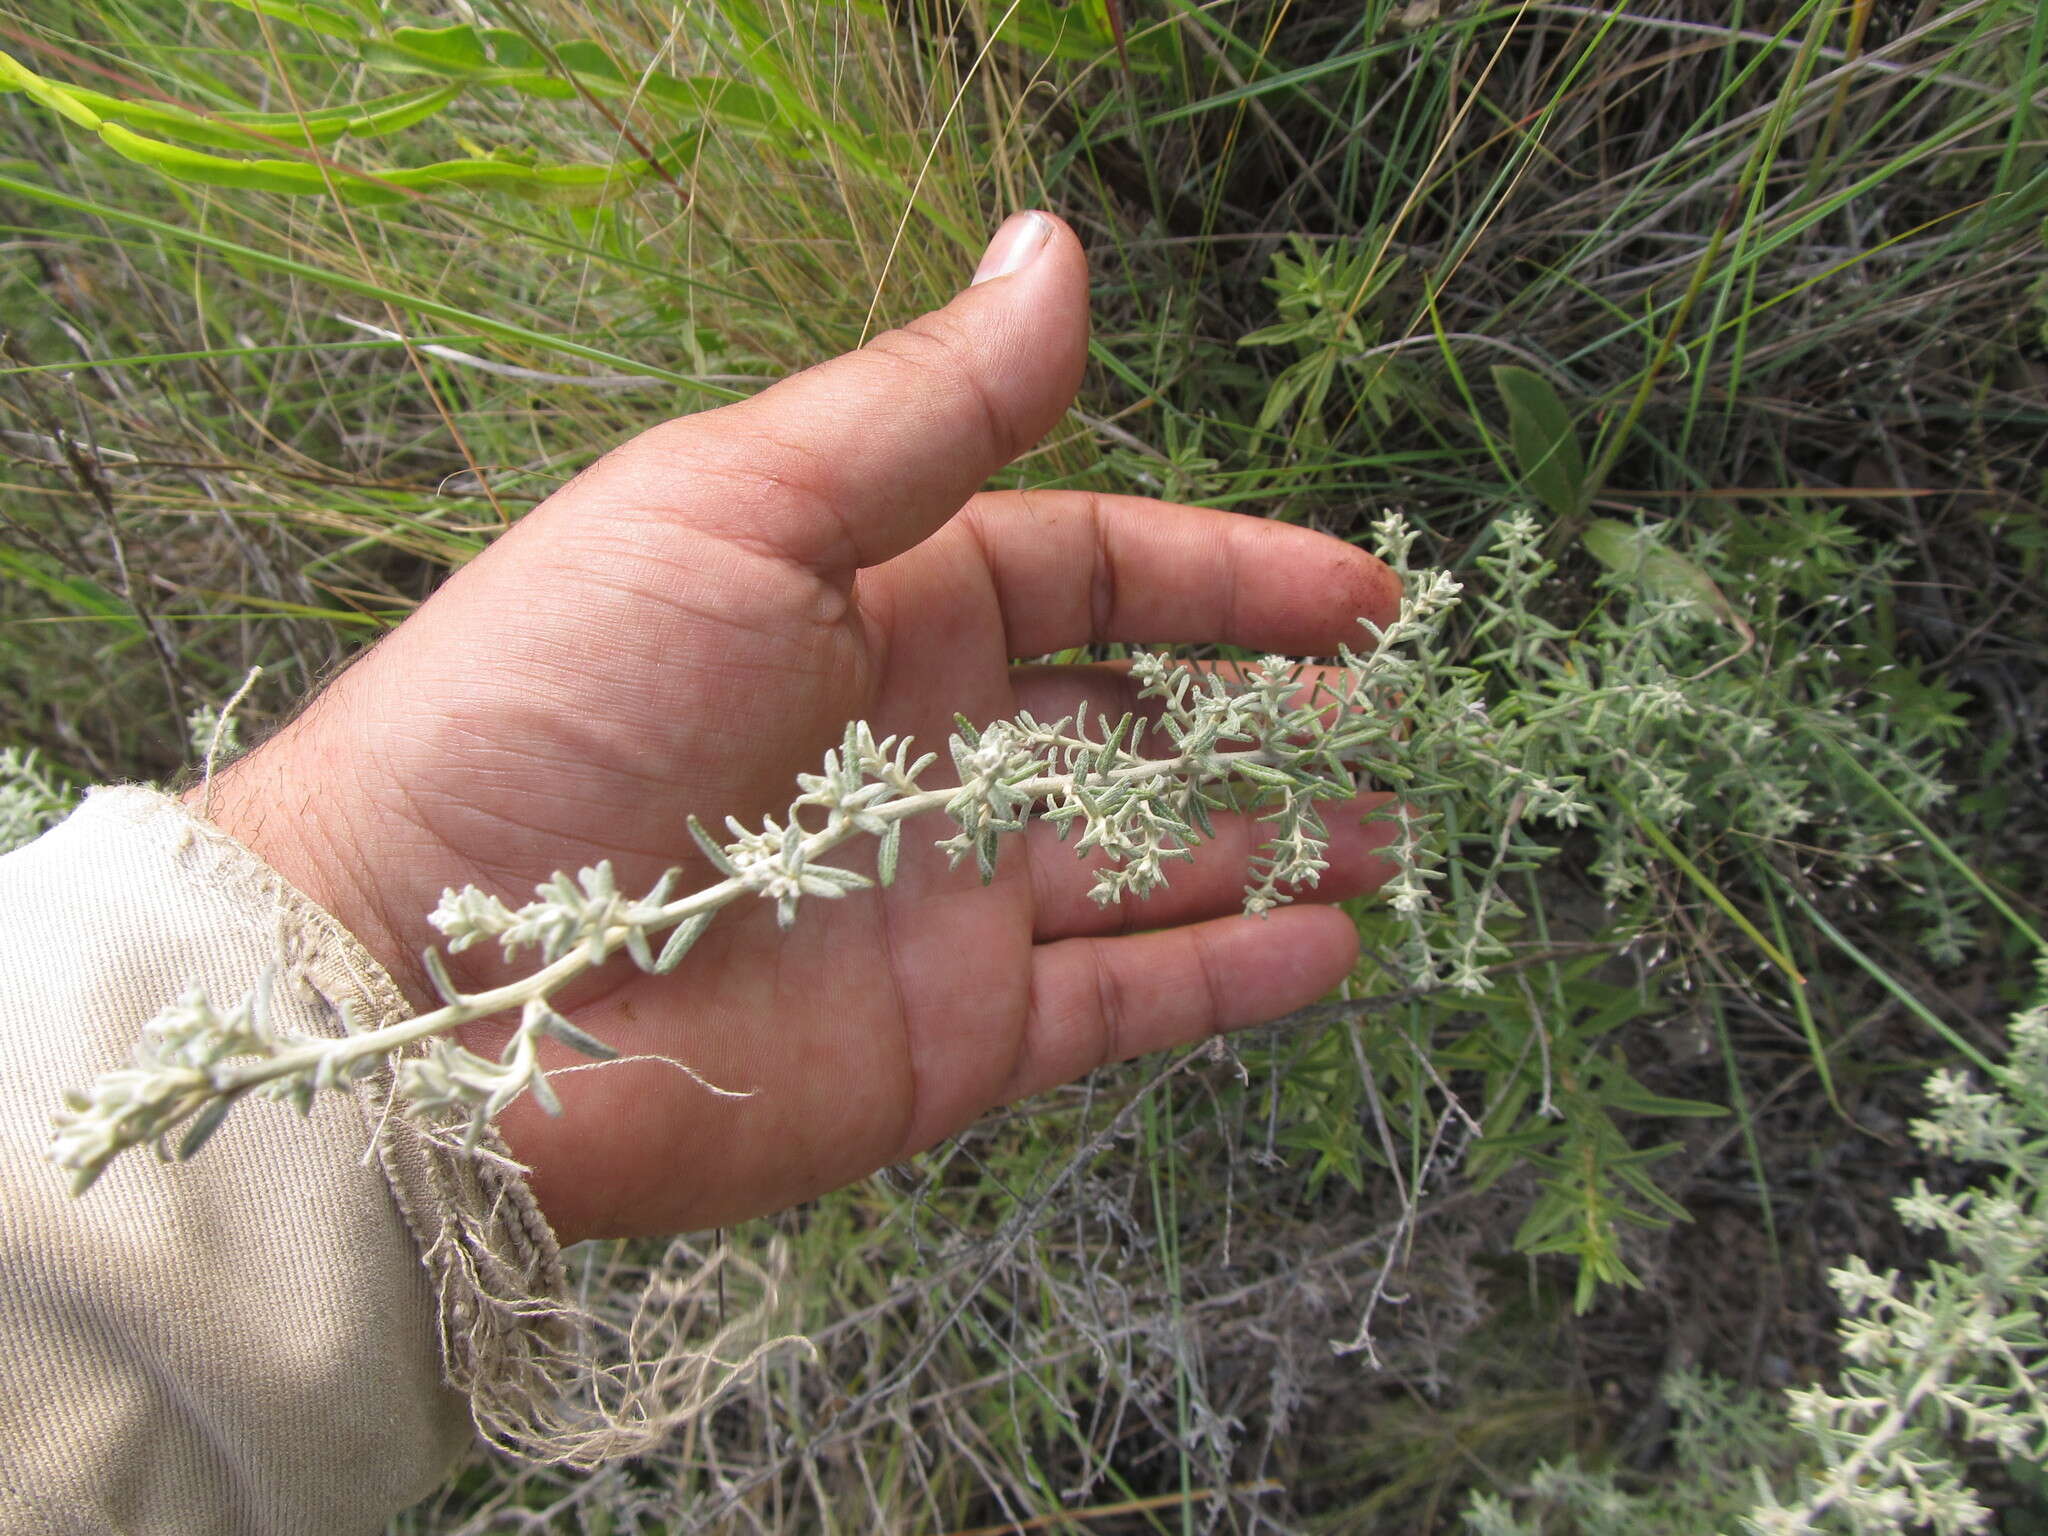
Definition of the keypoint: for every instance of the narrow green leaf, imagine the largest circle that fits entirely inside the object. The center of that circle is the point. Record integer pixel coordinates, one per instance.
(76, 593)
(1622, 1092)
(579, 185)
(196, 165)
(1714, 894)
(16, 76)
(886, 856)
(450, 314)
(536, 183)
(393, 114)
(242, 130)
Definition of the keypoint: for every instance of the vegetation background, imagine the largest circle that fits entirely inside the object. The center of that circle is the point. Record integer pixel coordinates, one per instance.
(304, 300)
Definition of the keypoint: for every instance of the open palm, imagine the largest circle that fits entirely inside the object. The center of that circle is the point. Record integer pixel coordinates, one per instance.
(686, 627)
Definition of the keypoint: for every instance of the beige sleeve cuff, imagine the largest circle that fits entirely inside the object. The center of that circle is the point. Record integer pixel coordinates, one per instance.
(301, 1328)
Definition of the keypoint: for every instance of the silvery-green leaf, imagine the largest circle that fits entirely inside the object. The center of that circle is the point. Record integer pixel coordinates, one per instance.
(83, 1177)
(554, 1024)
(885, 857)
(1260, 773)
(544, 1094)
(712, 851)
(204, 1124)
(1105, 756)
(437, 972)
(686, 933)
(638, 947)
(830, 881)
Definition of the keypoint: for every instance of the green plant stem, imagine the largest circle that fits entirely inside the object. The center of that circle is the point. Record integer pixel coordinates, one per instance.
(1935, 842)
(1715, 894)
(1883, 978)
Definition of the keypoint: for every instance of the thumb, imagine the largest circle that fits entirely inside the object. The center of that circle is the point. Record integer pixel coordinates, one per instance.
(860, 458)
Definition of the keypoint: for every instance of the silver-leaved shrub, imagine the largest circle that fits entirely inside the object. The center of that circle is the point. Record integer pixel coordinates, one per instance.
(1939, 1369)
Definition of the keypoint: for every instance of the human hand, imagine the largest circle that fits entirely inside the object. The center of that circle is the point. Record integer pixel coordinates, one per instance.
(688, 625)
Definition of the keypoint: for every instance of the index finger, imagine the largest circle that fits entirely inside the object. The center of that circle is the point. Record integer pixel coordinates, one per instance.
(1077, 568)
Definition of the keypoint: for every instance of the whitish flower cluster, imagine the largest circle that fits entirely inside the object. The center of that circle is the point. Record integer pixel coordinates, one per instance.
(180, 1067)
(1135, 793)
(1954, 1359)
(31, 801)
(1937, 1368)
(1638, 716)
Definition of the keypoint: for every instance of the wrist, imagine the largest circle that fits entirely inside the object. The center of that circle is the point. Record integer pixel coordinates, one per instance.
(310, 829)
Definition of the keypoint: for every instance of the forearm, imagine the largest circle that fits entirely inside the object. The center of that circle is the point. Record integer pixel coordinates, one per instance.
(247, 1342)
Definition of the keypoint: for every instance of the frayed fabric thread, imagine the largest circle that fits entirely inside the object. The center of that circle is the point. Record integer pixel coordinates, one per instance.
(546, 1380)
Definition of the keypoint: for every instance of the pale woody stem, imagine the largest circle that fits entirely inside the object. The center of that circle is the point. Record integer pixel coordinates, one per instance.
(471, 1006)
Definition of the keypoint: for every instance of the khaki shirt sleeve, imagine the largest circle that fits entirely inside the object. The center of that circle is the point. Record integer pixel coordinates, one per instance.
(302, 1327)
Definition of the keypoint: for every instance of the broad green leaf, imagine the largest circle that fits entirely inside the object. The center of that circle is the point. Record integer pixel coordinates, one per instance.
(1635, 552)
(483, 57)
(590, 60)
(511, 51)
(328, 20)
(1547, 451)
(730, 103)
(456, 52)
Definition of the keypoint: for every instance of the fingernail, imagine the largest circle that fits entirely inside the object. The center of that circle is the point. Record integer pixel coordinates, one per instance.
(1022, 237)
